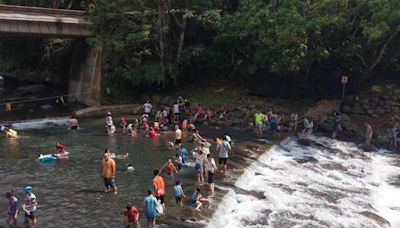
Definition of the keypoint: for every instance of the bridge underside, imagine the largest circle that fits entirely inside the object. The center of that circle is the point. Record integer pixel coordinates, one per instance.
(85, 73)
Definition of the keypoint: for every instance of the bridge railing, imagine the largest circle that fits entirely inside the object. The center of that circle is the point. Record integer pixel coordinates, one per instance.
(41, 10)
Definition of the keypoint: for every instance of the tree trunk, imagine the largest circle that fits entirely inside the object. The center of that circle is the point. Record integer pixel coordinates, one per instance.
(181, 39)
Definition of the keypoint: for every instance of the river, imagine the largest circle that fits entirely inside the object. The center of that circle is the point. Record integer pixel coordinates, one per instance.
(325, 183)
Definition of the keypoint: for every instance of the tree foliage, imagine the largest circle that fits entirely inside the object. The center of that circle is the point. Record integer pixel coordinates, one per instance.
(306, 44)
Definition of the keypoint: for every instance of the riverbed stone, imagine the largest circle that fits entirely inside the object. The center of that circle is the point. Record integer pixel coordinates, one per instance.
(380, 111)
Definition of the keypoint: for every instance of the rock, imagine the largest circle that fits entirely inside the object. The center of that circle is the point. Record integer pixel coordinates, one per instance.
(364, 101)
(380, 111)
(156, 100)
(370, 111)
(251, 106)
(165, 101)
(357, 110)
(346, 109)
(322, 109)
(374, 100)
(46, 107)
(381, 221)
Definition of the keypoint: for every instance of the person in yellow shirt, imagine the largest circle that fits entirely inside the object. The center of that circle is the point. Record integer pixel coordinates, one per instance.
(107, 171)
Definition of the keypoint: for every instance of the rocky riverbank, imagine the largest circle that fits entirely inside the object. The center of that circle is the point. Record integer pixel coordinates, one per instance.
(378, 106)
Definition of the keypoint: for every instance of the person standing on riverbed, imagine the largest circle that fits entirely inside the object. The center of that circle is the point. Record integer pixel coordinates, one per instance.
(211, 167)
(12, 209)
(178, 137)
(109, 124)
(159, 187)
(368, 133)
(107, 171)
(223, 149)
(199, 157)
(29, 207)
(147, 108)
(150, 205)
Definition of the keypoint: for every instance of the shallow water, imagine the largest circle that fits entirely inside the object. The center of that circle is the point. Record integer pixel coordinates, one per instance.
(323, 184)
(70, 192)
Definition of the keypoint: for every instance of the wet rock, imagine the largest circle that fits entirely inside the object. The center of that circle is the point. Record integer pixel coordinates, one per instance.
(46, 107)
(381, 221)
(302, 160)
(333, 166)
(380, 111)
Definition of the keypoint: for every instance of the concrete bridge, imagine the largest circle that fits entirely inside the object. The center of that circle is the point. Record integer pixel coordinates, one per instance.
(85, 70)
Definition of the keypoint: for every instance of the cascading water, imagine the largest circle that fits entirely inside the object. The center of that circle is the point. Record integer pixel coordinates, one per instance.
(40, 123)
(321, 183)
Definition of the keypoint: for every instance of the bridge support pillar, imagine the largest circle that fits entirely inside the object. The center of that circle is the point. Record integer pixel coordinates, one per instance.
(85, 74)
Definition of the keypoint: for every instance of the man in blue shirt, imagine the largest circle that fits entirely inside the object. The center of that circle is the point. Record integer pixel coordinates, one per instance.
(150, 205)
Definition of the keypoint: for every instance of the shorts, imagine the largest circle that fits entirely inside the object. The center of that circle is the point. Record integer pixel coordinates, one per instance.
(178, 199)
(108, 126)
(210, 177)
(198, 167)
(109, 182)
(222, 161)
(31, 216)
(178, 141)
(74, 127)
(161, 198)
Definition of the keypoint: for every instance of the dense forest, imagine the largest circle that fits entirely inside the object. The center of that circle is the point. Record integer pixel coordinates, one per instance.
(291, 48)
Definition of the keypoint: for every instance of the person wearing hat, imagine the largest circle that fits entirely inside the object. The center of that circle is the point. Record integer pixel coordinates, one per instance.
(29, 207)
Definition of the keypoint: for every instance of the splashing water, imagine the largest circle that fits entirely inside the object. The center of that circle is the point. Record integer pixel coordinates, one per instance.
(321, 183)
(40, 123)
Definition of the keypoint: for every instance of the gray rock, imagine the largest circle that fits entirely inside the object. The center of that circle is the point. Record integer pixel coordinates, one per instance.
(165, 100)
(380, 111)
(346, 109)
(357, 110)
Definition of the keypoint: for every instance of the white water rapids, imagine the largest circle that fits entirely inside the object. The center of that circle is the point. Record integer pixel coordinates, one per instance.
(325, 184)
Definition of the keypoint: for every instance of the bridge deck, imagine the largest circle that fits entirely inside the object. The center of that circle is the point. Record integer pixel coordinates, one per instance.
(43, 22)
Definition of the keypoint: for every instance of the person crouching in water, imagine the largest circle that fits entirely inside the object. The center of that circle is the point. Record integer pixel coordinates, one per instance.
(132, 216)
(12, 209)
(73, 123)
(198, 199)
(60, 148)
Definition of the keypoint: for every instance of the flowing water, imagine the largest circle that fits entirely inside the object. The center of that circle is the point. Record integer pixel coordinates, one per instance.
(325, 183)
(70, 192)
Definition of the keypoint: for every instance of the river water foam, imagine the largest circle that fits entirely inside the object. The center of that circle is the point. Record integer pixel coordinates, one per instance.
(325, 183)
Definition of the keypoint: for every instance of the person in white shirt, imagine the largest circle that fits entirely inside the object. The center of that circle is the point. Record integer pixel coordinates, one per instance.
(147, 108)
(29, 207)
(109, 124)
(176, 112)
(223, 148)
(211, 167)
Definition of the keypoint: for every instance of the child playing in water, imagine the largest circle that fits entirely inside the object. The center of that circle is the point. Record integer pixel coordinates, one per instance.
(178, 192)
(198, 199)
(169, 167)
(178, 161)
(131, 216)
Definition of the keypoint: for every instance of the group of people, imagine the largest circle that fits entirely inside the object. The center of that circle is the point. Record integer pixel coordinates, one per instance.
(271, 122)
(205, 165)
(28, 208)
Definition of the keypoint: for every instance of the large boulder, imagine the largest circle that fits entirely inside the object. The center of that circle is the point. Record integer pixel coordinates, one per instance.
(323, 108)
